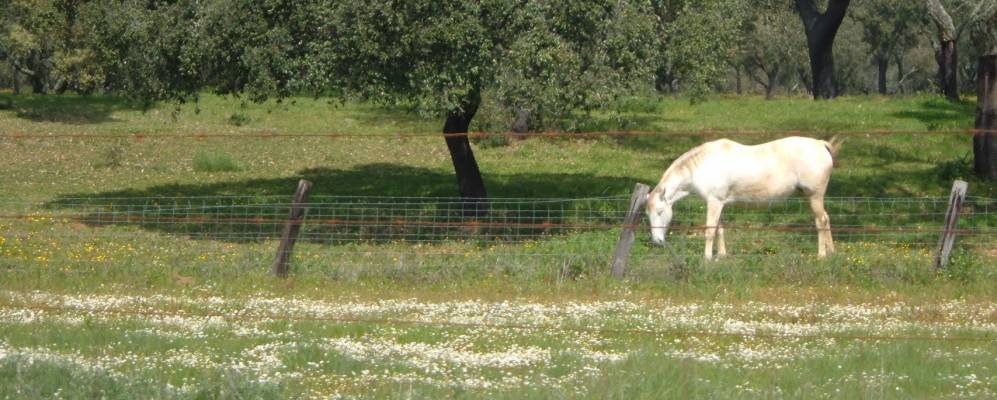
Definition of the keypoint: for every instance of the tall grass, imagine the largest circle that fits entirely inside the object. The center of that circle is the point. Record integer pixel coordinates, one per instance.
(214, 161)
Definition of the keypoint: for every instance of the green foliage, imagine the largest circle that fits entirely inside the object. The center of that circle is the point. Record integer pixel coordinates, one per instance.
(550, 59)
(984, 26)
(889, 27)
(148, 58)
(547, 58)
(29, 38)
(699, 38)
(772, 49)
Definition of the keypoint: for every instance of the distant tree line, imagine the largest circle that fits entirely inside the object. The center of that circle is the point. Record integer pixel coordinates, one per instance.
(536, 62)
(697, 46)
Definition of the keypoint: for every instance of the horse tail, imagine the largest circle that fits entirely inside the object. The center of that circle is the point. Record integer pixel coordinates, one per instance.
(833, 146)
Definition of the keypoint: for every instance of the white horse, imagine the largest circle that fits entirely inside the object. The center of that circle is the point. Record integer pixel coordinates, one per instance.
(725, 171)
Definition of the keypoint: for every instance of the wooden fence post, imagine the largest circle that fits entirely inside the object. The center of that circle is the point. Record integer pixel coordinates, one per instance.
(291, 228)
(947, 238)
(637, 200)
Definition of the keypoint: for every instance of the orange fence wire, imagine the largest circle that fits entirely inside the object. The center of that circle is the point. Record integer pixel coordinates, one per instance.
(552, 134)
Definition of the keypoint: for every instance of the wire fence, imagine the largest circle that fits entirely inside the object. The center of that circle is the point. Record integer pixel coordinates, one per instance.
(347, 233)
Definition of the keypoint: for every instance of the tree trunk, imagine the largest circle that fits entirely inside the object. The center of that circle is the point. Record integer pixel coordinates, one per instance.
(60, 86)
(37, 84)
(664, 80)
(881, 65)
(806, 80)
(522, 122)
(985, 142)
(822, 65)
(737, 78)
(948, 66)
(945, 55)
(821, 28)
(469, 182)
(773, 79)
(900, 74)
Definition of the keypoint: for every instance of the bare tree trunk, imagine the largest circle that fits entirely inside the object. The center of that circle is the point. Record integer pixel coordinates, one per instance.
(469, 182)
(948, 67)
(984, 34)
(900, 74)
(522, 122)
(17, 82)
(881, 65)
(737, 78)
(807, 82)
(946, 55)
(822, 65)
(985, 142)
(821, 28)
(37, 84)
(773, 81)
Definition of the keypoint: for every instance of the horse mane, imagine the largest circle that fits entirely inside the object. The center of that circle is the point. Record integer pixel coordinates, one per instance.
(687, 161)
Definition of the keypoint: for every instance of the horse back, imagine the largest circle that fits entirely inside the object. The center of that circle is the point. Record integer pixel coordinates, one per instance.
(771, 170)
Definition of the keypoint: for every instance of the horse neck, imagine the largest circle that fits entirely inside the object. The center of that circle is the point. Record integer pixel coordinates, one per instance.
(673, 182)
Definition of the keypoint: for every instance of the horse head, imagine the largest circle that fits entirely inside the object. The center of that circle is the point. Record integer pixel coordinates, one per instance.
(659, 211)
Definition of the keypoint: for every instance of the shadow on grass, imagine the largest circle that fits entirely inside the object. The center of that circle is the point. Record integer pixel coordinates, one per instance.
(389, 180)
(77, 110)
(881, 154)
(939, 113)
(410, 204)
(936, 181)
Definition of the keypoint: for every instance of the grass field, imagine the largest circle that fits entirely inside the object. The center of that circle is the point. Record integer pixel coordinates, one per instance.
(122, 310)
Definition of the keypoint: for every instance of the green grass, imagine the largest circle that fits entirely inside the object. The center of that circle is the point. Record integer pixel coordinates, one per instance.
(214, 161)
(53, 180)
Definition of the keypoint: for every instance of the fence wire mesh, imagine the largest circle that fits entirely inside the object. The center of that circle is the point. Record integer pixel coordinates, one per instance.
(357, 235)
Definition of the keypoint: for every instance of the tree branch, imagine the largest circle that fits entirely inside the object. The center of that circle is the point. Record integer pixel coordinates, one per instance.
(942, 19)
(836, 10)
(808, 10)
(17, 66)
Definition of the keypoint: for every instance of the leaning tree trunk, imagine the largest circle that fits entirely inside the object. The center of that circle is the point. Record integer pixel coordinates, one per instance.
(985, 139)
(469, 182)
(821, 28)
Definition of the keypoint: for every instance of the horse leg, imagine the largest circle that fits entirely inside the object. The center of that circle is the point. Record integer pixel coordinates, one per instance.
(825, 243)
(713, 210)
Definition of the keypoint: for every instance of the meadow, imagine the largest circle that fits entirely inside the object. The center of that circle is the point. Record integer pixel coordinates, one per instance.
(97, 308)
